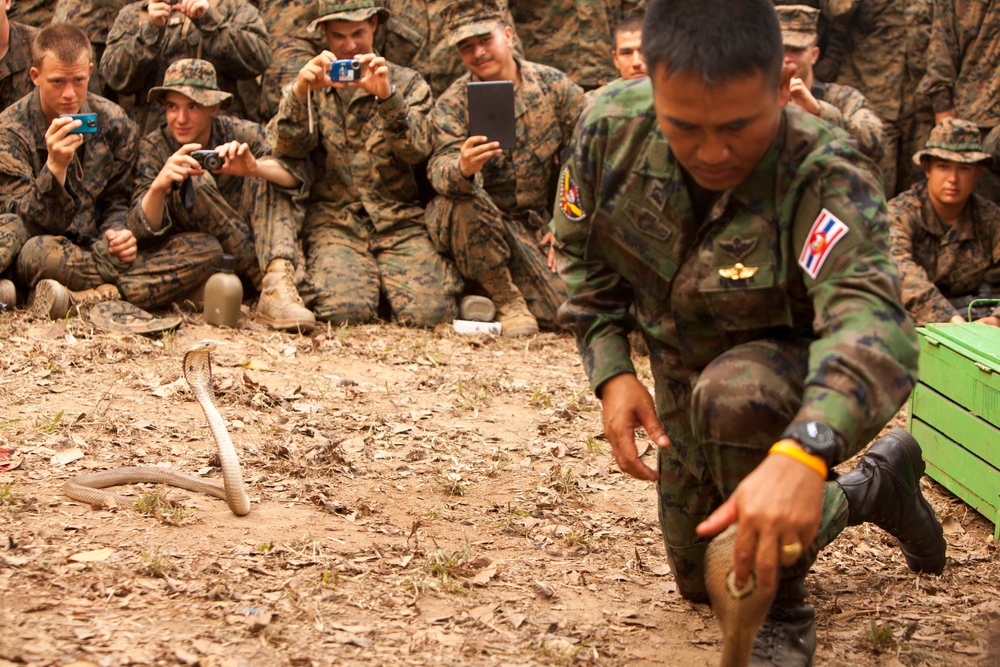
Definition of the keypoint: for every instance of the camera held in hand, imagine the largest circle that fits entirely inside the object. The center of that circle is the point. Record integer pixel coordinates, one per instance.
(208, 160)
(88, 122)
(344, 71)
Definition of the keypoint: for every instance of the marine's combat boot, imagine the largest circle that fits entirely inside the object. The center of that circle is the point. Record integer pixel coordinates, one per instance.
(279, 305)
(787, 637)
(8, 295)
(52, 300)
(476, 308)
(512, 310)
(885, 490)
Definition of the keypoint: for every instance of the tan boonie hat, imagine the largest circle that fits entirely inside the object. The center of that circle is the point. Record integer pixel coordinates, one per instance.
(349, 10)
(798, 25)
(954, 140)
(194, 79)
(469, 18)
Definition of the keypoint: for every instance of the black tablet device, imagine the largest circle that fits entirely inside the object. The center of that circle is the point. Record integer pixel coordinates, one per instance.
(491, 112)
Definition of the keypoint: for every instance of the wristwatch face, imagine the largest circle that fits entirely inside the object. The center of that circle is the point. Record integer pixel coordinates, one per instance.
(816, 438)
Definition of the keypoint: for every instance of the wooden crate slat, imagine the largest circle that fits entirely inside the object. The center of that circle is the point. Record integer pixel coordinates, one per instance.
(976, 435)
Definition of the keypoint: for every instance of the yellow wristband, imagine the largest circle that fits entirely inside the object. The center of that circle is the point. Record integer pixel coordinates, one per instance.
(792, 449)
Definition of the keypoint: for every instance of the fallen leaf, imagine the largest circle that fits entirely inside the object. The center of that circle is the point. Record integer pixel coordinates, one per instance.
(92, 556)
(256, 365)
(65, 456)
(168, 390)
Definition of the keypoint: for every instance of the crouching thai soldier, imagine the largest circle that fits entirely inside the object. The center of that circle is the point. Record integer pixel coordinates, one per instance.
(71, 190)
(364, 234)
(247, 203)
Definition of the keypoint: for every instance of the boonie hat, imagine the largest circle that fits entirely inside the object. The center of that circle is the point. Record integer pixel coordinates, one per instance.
(124, 317)
(469, 18)
(955, 140)
(799, 25)
(349, 10)
(194, 79)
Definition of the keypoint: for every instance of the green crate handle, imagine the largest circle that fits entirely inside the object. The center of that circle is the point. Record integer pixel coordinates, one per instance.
(976, 302)
(983, 367)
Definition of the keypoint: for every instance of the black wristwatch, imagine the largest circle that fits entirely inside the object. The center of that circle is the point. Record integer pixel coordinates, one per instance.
(817, 439)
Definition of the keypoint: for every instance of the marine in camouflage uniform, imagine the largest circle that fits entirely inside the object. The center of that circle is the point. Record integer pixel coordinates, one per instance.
(574, 37)
(293, 44)
(963, 69)
(493, 223)
(885, 60)
(944, 265)
(68, 222)
(416, 35)
(765, 294)
(36, 13)
(364, 234)
(230, 34)
(839, 105)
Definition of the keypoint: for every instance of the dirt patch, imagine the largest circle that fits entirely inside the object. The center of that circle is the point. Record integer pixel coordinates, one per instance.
(419, 498)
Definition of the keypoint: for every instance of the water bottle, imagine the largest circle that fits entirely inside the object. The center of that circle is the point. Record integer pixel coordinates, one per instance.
(223, 295)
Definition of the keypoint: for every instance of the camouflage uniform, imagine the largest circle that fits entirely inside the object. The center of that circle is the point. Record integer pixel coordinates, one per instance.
(574, 37)
(36, 13)
(944, 267)
(364, 228)
(67, 223)
(230, 34)
(499, 216)
(742, 340)
(416, 35)
(252, 224)
(885, 60)
(15, 75)
(849, 110)
(292, 46)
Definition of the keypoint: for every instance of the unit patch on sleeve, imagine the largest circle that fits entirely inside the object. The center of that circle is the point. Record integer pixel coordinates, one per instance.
(569, 197)
(825, 233)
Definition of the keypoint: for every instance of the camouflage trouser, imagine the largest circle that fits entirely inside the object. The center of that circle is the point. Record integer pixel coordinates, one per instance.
(288, 56)
(903, 138)
(12, 237)
(482, 239)
(740, 404)
(160, 274)
(264, 227)
(349, 269)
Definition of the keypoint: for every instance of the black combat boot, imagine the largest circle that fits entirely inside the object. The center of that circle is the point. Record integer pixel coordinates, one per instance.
(885, 490)
(787, 637)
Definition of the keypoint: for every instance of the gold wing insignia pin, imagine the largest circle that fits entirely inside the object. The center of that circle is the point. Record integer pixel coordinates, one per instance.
(738, 272)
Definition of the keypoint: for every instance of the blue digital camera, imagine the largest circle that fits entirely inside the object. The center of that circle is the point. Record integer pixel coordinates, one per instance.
(89, 122)
(344, 71)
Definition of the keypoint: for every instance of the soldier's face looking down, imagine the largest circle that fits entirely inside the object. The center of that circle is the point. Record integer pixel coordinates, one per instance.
(349, 39)
(188, 121)
(803, 59)
(490, 57)
(628, 55)
(720, 131)
(62, 87)
(950, 184)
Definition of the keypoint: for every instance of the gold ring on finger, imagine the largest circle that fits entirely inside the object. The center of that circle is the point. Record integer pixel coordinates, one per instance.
(791, 551)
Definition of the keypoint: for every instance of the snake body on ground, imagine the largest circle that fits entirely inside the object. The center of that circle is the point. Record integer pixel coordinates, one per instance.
(740, 611)
(198, 373)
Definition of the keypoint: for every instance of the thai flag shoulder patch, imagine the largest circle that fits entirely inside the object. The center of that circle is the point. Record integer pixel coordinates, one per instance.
(569, 197)
(825, 233)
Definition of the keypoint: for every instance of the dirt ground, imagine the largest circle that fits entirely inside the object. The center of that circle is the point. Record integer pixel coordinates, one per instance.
(419, 498)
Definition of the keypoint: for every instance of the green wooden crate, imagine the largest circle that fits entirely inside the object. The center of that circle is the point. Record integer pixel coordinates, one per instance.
(954, 412)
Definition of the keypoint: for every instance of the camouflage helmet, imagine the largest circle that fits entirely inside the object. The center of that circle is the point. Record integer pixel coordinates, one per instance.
(798, 25)
(194, 79)
(954, 140)
(469, 18)
(348, 10)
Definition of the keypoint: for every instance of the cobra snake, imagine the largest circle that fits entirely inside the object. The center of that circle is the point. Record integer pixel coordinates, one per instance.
(740, 611)
(198, 373)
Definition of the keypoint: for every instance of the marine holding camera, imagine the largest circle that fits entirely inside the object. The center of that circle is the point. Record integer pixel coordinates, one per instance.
(199, 171)
(367, 249)
(73, 205)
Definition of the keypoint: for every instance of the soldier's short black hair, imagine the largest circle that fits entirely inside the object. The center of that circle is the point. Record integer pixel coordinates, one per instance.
(631, 23)
(64, 41)
(720, 40)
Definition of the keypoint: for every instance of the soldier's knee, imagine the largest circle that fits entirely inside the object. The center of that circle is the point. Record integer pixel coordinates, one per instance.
(42, 257)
